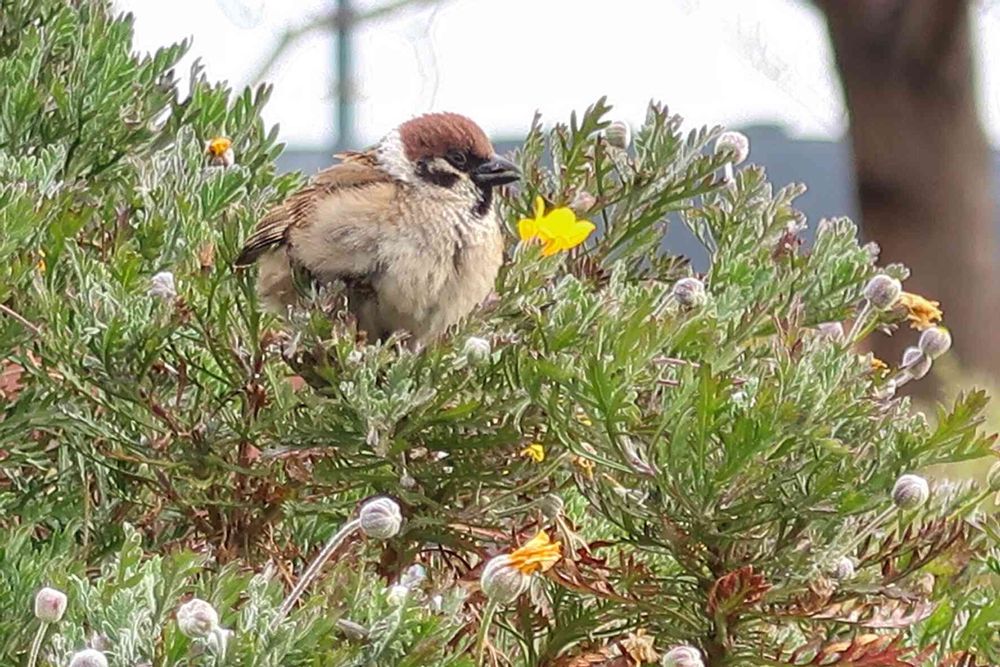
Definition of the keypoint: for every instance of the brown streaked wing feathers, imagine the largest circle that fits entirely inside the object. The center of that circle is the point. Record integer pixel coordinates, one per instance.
(356, 170)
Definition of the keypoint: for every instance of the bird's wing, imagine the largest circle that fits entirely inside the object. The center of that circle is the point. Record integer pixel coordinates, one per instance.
(358, 170)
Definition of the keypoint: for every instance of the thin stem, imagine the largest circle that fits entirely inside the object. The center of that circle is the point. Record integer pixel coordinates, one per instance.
(10, 312)
(484, 630)
(859, 322)
(313, 569)
(36, 645)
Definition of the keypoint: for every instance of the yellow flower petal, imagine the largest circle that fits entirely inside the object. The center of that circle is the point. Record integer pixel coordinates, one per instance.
(527, 229)
(538, 554)
(539, 207)
(535, 452)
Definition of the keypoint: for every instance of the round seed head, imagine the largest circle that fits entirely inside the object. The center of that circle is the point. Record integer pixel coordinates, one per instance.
(736, 143)
(381, 518)
(682, 656)
(993, 477)
(935, 341)
(477, 350)
(50, 605)
(910, 492)
(501, 581)
(88, 657)
(689, 292)
(844, 569)
(883, 291)
(162, 286)
(197, 619)
(618, 134)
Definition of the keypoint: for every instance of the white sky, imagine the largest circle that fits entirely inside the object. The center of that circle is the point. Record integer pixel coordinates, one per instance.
(498, 61)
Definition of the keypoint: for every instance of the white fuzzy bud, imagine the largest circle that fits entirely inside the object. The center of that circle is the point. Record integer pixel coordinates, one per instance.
(381, 518)
(582, 202)
(883, 291)
(618, 134)
(477, 350)
(915, 362)
(162, 286)
(831, 330)
(197, 619)
(935, 341)
(502, 582)
(50, 605)
(689, 292)
(736, 143)
(682, 656)
(397, 595)
(993, 477)
(843, 569)
(910, 492)
(88, 657)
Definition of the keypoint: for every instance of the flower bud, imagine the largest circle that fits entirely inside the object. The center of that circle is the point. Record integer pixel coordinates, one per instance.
(910, 492)
(736, 143)
(831, 330)
(477, 350)
(88, 657)
(682, 656)
(689, 292)
(993, 477)
(883, 291)
(935, 341)
(844, 569)
(162, 286)
(915, 362)
(381, 518)
(501, 582)
(197, 619)
(50, 605)
(582, 202)
(618, 134)
(220, 152)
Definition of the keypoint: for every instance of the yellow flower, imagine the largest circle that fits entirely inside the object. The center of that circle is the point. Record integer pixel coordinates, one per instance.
(557, 230)
(878, 364)
(921, 312)
(537, 555)
(219, 145)
(535, 452)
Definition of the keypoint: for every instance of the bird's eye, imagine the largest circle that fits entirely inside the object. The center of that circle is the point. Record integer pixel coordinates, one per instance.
(456, 158)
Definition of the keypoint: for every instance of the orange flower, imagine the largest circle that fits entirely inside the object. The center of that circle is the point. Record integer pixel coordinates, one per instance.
(921, 312)
(878, 364)
(537, 555)
(219, 145)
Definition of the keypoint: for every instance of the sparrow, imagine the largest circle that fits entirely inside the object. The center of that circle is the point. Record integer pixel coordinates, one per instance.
(409, 227)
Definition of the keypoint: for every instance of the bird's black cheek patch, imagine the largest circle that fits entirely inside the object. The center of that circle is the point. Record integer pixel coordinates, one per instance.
(445, 179)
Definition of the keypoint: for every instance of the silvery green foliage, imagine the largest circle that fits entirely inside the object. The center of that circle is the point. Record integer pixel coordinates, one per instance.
(687, 444)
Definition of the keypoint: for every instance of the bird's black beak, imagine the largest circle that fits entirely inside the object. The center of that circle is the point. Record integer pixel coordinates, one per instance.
(496, 171)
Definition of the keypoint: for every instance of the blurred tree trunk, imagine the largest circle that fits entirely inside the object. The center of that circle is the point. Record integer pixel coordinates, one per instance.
(923, 164)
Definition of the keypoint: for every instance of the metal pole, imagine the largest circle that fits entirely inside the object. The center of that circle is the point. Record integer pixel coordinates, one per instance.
(345, 79)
